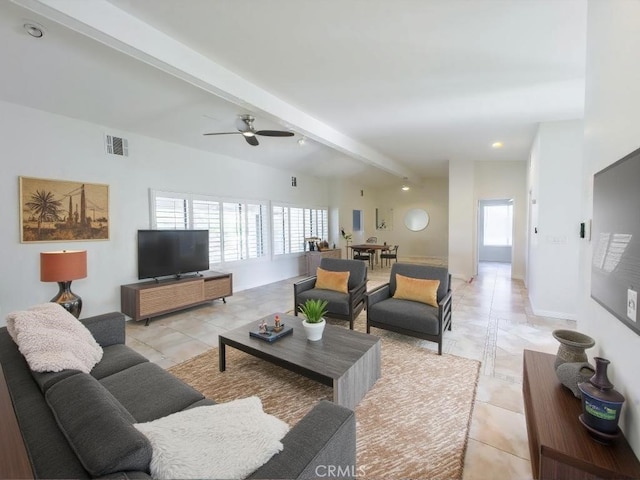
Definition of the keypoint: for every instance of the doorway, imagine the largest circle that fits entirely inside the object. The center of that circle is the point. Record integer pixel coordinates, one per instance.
(495, 230)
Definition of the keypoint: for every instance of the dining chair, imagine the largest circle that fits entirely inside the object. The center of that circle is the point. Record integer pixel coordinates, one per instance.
(389, 254)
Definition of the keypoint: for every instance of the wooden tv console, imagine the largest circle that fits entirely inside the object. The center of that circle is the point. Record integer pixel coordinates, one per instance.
(146, 300)
(560, 446)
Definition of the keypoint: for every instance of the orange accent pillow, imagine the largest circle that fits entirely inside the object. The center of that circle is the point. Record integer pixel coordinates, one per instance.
(329, 280)
(417, 289)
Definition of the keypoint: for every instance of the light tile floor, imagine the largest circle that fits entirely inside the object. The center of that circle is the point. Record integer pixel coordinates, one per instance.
(492, 322)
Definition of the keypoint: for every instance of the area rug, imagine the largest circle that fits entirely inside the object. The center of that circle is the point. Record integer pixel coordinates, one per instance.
(413, 423)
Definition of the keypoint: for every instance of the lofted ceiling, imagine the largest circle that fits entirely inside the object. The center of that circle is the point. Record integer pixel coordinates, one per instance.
(380, 89)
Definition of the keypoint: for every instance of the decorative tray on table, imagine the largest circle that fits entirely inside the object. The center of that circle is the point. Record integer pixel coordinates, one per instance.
(271, 335)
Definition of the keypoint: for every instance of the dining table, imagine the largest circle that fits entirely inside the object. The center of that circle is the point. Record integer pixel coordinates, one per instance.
(372, 247)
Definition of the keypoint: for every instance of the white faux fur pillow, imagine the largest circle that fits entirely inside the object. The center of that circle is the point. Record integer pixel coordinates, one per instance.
(51, 339)
(227, 440)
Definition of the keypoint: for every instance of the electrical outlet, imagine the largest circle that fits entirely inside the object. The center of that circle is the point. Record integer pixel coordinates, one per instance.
(632, 304)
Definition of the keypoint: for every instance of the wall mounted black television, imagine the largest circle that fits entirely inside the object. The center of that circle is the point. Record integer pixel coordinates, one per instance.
(615, 267)
(164, 253)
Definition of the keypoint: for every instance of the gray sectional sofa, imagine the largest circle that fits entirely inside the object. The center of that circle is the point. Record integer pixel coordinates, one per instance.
(78, 425)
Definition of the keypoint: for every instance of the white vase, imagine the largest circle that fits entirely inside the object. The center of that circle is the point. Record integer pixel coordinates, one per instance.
(314, 330)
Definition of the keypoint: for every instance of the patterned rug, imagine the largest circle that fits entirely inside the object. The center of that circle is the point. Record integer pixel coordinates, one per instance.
(413, 423)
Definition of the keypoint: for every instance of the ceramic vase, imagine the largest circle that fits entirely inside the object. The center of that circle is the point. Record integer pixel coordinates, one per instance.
(572, 347)
(601, 404)
(571, 374)
(314, 330)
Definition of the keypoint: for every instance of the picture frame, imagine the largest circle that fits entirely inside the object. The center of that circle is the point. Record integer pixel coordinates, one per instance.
(384, 219)
(62, 210)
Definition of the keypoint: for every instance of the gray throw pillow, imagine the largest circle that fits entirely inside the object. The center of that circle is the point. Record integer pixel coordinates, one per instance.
(97, 426)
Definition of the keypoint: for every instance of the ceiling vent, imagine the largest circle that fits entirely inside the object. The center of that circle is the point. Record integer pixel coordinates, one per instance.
(116, 145)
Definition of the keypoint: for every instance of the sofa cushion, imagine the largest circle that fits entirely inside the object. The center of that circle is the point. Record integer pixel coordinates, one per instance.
(148, 392)
(46, 379)
(417, 289)
(49, 452)
(115, 359)
(328, 280)
(97, 427)
(405, 314)
(337, 302)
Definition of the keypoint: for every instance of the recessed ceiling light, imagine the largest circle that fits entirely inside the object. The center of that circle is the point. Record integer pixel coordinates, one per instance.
(33, 30)
(497, 145)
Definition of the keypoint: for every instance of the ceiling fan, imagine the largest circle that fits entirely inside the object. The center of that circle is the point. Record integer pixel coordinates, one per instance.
(244, 124)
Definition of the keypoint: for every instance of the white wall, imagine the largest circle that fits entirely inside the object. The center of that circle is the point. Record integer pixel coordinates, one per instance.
(468, 184)
(433, 197)
(555, 183)
(462, 219)
(611, 131)
(506, 180)
(39, 144)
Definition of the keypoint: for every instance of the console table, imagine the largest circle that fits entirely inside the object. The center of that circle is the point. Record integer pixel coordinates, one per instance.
(314, 257)
(150, 299)
(560, 447)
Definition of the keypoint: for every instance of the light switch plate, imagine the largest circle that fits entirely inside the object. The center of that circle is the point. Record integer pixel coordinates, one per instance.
(632, 304)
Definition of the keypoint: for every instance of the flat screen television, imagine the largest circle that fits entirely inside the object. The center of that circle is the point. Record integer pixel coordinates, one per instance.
(164, 253)
(615, 267)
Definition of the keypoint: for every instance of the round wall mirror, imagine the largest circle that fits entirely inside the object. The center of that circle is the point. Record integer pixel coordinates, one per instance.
(416, 219)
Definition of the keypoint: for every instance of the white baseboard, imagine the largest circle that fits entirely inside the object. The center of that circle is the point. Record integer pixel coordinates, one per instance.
(552, 314)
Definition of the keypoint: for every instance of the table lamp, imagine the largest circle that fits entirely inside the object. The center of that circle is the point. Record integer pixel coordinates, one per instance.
(63, 267)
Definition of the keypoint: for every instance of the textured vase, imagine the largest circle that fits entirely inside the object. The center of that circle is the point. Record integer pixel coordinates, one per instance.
(572, 347)
(601, 403)
(573, 373)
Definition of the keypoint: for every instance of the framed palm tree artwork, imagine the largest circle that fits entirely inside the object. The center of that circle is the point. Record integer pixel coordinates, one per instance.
(63, 210)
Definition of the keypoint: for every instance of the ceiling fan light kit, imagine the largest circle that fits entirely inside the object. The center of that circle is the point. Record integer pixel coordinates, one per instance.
(247, 130)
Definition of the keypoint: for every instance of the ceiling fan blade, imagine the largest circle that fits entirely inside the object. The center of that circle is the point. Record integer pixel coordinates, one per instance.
(252, 140)
(222, 133)
(274, 133)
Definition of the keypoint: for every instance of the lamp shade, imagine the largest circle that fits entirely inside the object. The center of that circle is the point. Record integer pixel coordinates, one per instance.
(63, 266)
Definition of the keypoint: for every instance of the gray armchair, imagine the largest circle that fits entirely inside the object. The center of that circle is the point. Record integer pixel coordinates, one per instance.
(343, 306)
(409, 317)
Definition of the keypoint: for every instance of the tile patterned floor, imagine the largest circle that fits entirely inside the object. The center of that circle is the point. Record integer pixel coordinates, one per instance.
(492, 322)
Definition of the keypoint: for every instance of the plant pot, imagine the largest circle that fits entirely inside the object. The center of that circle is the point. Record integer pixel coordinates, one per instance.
(314, 330)
(572, 347)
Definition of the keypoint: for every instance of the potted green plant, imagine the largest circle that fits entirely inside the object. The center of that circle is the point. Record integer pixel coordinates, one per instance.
(314, 310)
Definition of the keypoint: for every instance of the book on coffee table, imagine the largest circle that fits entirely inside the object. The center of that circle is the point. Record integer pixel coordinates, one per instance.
(271, 335)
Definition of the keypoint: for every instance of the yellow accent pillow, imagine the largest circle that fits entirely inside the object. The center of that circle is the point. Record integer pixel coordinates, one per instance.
(329, 280)
(417, 289)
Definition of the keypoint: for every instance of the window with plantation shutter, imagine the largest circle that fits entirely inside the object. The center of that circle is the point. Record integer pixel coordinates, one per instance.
(256, 228)
(291, 225)
(296, 228)
(237, 230)
(316, 223)
(280, 222)
(233, 231)
(206, 216)
(171, 213)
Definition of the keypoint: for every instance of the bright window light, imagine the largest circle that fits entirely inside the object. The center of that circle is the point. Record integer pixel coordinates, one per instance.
(497, 225)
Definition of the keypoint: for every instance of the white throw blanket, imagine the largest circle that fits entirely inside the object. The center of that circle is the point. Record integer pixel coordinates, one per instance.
(51, 339)
(224, 441)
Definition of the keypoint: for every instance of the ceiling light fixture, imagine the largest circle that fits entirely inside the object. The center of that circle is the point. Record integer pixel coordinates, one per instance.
(34, 30)
(302, 141)
(405, 186)
(497, 145)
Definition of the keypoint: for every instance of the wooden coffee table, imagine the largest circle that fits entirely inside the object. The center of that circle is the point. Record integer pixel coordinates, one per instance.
(346, 360)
